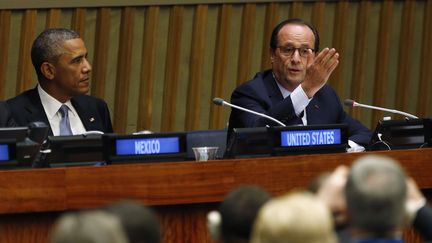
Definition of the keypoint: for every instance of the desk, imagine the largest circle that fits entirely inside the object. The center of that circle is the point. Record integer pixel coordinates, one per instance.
(182, 192)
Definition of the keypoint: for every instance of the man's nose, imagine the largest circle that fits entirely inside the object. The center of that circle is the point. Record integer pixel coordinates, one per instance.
(296, 56)
(87, 66)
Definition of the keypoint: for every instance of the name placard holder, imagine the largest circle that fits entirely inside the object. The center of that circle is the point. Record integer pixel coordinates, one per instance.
(309, 139)
(399, 134)
(144, 147)
(8, 153)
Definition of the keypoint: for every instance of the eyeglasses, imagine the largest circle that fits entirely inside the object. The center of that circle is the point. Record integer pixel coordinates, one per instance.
(289, 51)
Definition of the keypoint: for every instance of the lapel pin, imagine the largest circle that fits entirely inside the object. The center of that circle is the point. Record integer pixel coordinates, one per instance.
(92, 119)
(316, 106)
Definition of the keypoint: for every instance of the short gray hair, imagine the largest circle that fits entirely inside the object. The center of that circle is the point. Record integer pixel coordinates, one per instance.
(47, 47)
(376, 194)
(88, 227)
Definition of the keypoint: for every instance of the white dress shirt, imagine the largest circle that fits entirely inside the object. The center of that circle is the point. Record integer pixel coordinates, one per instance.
(300, 100)
(52, 106)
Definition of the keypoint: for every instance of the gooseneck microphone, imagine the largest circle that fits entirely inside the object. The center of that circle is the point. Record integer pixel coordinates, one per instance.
(352, 103)
(221, 102)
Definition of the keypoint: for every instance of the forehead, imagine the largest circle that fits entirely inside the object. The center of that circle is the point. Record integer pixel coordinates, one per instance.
(74, 47)
(296, 34)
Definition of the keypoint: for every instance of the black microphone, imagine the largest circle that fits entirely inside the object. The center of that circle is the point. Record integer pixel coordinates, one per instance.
(221, 102)
(352, 103)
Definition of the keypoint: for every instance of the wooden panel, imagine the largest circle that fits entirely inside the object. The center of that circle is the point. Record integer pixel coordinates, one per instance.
(176, 183)
(44, 193)
(382, 58)
(186, 222)
(405, 49)
(53, 18)
(196, 68)
(296, 10)
(191, 182)
(24, 4)
(78, 21)
(23, 228)
(182, 192)
(154, 184)
(271, 20)
(100, 58)
(220, 67)
(172, 69)
(25, 67)
(246, 43)
(318, 13)
(359, 63)
(339, 43)
(423, 100)
(145, 103)
(124, 69)
(5, 21)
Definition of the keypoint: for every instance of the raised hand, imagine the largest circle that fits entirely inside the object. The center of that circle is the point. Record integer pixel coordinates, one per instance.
(318, 70)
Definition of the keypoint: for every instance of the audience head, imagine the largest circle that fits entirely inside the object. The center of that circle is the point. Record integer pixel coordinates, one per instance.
(88, 227)
(295, 217)
(330, 188)
(376, 194)
(139, 222)
(59, 57)
(238, 211)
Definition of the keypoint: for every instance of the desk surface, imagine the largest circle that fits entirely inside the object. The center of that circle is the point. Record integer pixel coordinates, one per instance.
(174, 183)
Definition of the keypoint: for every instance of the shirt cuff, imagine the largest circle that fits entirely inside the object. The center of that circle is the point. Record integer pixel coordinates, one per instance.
(354, 147)
(412, 208)
(299, 99)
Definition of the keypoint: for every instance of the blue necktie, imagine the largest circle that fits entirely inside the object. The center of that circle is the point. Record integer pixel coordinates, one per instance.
(65, 128)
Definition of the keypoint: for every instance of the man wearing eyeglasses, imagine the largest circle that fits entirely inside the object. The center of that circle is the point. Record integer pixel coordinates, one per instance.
(294, 91)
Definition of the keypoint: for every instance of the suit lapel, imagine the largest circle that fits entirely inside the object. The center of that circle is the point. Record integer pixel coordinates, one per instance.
(87, 117)
(35, 109)
(273, 91)
(311, 110)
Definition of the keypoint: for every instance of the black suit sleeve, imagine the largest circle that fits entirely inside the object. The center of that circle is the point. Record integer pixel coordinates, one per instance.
(107, 119)
(6, 119)
(247, 97)
(423, 222)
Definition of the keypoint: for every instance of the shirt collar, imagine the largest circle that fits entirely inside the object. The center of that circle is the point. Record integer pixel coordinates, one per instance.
(51, 104)
(285, 92)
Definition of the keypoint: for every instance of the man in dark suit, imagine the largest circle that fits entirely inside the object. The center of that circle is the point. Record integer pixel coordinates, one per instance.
(59, 57)
(294, 91)
(6, 119)
(376, 195)
(331, 190)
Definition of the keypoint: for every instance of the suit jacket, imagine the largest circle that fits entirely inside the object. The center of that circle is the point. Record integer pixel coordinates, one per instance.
(423, 222)
(6, 119)
(261, 94)
(93, 112)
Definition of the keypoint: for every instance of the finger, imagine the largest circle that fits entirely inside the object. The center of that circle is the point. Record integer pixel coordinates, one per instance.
(329, 56)
(310, 59)
(332, 66)
(329, 63)
(321, 55)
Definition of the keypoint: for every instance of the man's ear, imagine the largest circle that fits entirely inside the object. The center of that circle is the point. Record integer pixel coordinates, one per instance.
(48, 70)
(272, 54)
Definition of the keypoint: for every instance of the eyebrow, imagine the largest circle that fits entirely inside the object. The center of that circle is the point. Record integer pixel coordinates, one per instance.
(301, 46)
(78, 57)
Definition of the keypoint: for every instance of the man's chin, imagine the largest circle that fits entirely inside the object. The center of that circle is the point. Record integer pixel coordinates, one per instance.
(294, 81)
(82, 91)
